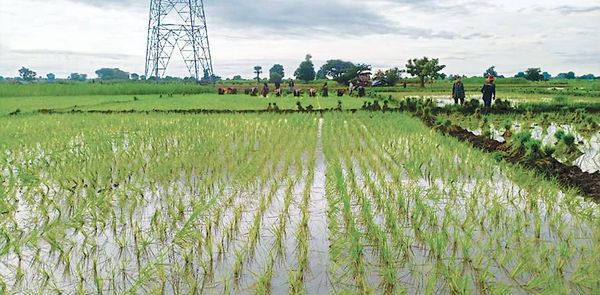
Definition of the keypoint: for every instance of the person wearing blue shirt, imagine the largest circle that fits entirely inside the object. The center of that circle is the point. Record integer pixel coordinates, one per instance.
(458, 91)
(489, 92)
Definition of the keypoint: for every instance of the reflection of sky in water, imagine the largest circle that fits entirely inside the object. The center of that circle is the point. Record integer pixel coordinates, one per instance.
(588, 162)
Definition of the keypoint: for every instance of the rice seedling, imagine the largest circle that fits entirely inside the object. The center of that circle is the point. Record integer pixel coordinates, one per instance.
(220, 204)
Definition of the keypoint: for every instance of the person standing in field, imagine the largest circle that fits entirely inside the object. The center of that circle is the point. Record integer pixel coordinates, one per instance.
(291, 85)
(489, 91)
(458, 91)
(265, 90)
(325, 90)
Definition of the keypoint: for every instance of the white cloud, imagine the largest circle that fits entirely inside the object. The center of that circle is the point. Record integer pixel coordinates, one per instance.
(65, 36)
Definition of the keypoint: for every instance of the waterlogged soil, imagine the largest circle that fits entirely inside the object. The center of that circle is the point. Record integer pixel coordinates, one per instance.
(407, 204)
(587, 183)
(589, 148)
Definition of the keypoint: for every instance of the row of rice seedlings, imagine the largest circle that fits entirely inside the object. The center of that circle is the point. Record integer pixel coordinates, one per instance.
(351, 235)
(258, 224)
(373, 231)
(437, 241)
(447, 223)
(239, 262)
(277, 250)
(135, 229)
(297, 275)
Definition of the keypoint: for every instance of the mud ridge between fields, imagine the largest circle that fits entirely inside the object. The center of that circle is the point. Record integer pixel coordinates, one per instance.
(587, 183)
(190, 111)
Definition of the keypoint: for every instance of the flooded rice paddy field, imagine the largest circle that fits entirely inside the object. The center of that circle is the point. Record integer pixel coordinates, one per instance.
(583, 127)
(245, 204)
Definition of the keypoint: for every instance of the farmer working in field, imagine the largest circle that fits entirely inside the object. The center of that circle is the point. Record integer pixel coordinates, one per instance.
(489, 91)
(325, 90)
(458, 91)
(291, 85)
(265, 90)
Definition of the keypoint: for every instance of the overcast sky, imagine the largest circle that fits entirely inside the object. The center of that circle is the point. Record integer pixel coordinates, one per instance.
(65, 36)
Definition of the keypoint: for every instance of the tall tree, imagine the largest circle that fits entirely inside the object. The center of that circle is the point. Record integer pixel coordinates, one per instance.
(257, 71)
(277, 68)
(424, 68)
(321, 75)
(27, 74)
(112, 74)
(534, 74)
(343, 71)
(335, 68)
(276, 73)
(306, 70)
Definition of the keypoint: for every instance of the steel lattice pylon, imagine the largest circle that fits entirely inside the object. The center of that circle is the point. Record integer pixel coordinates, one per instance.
(178, 24)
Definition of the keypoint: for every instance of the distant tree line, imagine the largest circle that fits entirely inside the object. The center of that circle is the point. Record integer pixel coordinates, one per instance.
(344, 72)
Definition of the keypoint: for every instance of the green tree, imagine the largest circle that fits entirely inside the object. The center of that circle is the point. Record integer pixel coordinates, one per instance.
(520, 75)
(275, 78)
(343, 71)
(569, 75)
(547, 76)
(112, 74)
(135, 77)
(257, 71)
(335, 68)
(534, 74)
(320, 75)
(424, 68)
(491, 71)
(237, 78)
(392, 76)
(277, 68)
(27, 74)
(306, 70)
(77, 77)
(51, 77)
(276, 73)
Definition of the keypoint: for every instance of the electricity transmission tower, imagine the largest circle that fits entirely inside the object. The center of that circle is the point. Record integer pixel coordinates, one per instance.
(178, 25)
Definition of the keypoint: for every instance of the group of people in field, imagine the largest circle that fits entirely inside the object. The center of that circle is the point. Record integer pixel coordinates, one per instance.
(298, 92)
(488, 90)
(265, 90)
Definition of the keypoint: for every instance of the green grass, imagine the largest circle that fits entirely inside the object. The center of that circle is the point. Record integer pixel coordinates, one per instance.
(100, 88)
(177, 102)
